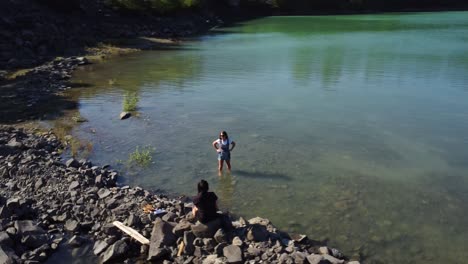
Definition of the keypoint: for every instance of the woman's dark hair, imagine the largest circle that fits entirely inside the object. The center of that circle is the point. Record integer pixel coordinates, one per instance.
(203, 186)
(223, 133)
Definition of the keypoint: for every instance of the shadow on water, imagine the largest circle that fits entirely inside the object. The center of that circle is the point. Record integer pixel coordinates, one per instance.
(29, 97)
(21, 101)
(261, 175)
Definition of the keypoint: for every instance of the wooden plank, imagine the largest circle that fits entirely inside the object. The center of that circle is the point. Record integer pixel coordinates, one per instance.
(131, 232)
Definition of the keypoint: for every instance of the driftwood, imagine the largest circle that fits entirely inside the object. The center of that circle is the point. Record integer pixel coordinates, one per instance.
(132, 232)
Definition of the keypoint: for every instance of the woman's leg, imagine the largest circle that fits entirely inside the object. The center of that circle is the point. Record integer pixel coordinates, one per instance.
(228, 163)
(220, 165)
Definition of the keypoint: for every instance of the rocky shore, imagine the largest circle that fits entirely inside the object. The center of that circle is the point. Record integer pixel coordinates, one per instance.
(46, 204)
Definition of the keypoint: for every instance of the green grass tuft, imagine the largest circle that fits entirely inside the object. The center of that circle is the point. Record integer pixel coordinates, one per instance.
(141, 157)
(130, 102)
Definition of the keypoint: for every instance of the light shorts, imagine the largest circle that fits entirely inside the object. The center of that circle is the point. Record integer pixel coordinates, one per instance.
(224, 155)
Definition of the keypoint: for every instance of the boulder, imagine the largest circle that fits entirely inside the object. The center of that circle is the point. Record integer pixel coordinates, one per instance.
(188, 241)
(260, 221)
(5, 239)
(332, 259)
(220, 236)
(181, 227)
(72, 163)
(233, 254)
(315, 259)
(206, 230)
(237, 241)
(4, 212)
(103, 193)
(99, 247)
(160, 236)
(323, 250)
(299, 257)
(34, 240)
(27, 227)
(117, 250)
(72, 225)
(257, 233)
(125, 115)
(14, 144)
(74, 185)
(5, 258)
(169, 217)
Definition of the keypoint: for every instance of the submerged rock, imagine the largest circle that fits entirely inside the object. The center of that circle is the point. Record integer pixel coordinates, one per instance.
(125, 115)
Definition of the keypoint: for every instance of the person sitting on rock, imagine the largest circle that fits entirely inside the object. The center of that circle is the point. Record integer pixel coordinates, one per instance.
(205, 204)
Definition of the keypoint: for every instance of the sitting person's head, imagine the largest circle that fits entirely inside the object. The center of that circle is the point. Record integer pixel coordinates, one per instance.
(203, 186)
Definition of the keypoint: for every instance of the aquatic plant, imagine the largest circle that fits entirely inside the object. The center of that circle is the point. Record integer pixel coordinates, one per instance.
(141, 157)
(130, 102)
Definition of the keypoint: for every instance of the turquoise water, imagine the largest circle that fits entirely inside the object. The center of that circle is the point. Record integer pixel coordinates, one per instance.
(351, 129)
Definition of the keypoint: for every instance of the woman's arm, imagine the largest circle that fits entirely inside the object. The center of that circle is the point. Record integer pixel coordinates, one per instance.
(215, 145)
(194, 210)
(233, 144)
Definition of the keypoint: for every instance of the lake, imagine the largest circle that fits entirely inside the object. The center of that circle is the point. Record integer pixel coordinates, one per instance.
(350, 129)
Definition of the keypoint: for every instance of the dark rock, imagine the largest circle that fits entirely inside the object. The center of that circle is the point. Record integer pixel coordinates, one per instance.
(169, 217)
(4, 212)
(27, 227)
(198, 252)
(315, 259)
(160, 236)
(110, 229)
(74, 185)
(5, 239)
(76, 241)
(299, 257)
(189, 237)
(5, 258)
(332, 259)
(99, 181)
(39, 183)
(133, 220)
(72, 163)
(103, 193)
(257, 233)
(34, 241)
(219, 249)
(116, 251)
(124, 115)
(14, 144)
(13, 203)
(220, 236)
(206, 230)
(336, 253)
(209, 244)
(181, 227)
(233, 254)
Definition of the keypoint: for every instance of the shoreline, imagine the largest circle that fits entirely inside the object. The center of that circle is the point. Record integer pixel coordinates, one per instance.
(47, 204)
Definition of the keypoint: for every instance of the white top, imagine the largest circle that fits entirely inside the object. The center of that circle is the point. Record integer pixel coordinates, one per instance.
(223, 142)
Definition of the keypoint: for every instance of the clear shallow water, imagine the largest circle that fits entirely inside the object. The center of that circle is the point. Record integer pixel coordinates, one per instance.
(351, 129)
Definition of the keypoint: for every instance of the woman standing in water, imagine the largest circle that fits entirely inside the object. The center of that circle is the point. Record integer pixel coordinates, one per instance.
(224, 146)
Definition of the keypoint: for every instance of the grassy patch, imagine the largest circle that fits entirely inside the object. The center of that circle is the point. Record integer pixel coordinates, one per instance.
(130, 102)
(18, 73)
(141, 157)
(103, 51)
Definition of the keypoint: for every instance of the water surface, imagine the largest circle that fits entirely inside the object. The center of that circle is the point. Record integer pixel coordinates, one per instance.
(351, 129)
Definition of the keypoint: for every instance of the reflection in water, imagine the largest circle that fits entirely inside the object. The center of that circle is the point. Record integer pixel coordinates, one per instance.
(262, 175)
(225, 190)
